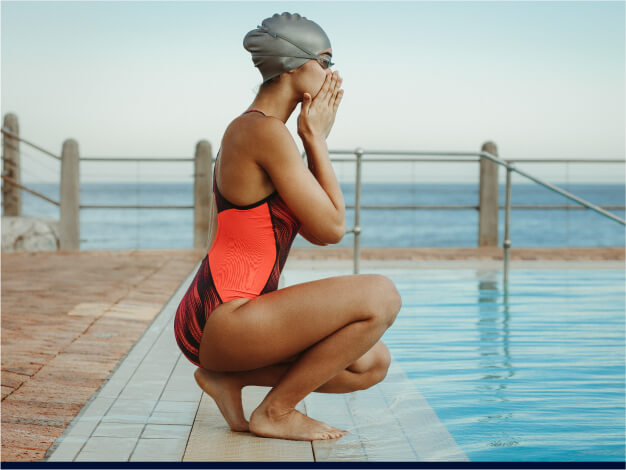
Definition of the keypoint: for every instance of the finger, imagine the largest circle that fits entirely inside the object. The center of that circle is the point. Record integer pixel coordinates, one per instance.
(326, 98)
(332, 88)
(337, 88)
(306, 103)
(338, 83)
(322, 95)
(337, 100)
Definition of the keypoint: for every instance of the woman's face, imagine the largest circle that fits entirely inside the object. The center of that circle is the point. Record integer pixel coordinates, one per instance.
(311, 75)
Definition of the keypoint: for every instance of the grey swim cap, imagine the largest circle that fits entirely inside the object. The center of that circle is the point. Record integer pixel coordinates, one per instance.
(284, 42)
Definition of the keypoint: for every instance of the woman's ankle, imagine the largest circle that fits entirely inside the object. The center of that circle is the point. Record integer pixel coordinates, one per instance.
(275, 408)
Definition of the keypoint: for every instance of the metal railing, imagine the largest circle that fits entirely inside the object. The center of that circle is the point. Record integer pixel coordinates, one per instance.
(508, 164)
(10, 163)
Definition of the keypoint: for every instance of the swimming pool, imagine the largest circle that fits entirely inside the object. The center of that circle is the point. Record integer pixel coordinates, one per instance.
(534, 375)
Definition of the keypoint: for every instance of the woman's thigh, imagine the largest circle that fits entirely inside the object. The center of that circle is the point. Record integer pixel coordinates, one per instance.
(247, 334)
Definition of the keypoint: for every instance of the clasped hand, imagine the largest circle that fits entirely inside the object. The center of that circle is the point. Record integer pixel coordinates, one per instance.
(317, 115)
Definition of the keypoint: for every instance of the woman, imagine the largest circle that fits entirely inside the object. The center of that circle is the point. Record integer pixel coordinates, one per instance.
(233, 323)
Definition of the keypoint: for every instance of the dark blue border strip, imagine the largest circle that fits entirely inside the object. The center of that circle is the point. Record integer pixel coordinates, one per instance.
(434, 465)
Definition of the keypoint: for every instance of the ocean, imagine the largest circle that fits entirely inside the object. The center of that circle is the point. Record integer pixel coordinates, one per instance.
(106, 229)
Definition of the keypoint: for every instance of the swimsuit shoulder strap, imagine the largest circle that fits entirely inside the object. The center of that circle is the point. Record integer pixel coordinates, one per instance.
(255, 110)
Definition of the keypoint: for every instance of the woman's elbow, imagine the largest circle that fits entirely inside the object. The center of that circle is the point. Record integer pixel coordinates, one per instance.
(338, 233)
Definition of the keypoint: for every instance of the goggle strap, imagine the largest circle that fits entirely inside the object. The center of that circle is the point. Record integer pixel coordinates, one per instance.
(275, 34)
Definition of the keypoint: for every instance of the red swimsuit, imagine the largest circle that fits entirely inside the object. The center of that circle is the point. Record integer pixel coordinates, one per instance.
(245, 260)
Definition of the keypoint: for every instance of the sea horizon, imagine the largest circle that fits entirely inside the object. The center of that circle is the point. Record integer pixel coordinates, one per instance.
(173, 228)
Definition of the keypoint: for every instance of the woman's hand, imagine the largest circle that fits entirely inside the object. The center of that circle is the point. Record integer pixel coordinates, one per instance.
(317, 116)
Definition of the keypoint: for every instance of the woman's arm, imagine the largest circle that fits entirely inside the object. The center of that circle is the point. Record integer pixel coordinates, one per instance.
(307, 236)
(313, 195)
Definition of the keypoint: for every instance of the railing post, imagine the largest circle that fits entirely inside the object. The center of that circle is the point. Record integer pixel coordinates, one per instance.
(506, 244)
(202, 184)
(11, 195)
(69, 225)
(488, 198)
(357, 211)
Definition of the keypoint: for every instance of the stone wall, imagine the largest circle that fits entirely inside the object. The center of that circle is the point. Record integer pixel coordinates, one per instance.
(29, 234)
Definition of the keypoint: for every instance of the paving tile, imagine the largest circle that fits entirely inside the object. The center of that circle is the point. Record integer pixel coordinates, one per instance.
(380, 433)
(144, 390)
(182, 393)
(82, 429)
(108, 449)
(28, 436)
(97, 407)
(333, 410)
(36, 413)
(129, 411)
(426, 434)
(69, 450)
(13, 379)
(167, 450)
(174, 412)
(6, 391)
(166, 431)
(109, 429)
(20, 454)
(112, 388)
(212, 440)
(90, 309)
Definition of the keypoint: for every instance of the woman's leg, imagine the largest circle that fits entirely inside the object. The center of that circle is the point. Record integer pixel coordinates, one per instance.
(332, 322)
(225, 387)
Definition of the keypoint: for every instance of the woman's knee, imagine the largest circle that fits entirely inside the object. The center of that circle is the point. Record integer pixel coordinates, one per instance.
(379, 369)
(382, 297)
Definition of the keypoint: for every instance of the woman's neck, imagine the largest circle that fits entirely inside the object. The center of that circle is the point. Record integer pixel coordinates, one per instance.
(276, 100)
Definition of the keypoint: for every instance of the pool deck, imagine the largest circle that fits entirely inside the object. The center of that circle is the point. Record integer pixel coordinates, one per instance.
(101, 378)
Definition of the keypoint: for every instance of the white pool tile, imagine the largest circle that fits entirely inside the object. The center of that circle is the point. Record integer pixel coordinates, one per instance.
(105, 429)
(129, 411)
(110, 449)
(142, 390)
(174, 412)
(186, 394)
(165, 450)
(166, 431)
(68, 449)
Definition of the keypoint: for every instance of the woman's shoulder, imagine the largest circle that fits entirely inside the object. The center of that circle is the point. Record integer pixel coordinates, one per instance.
(256, 122)
(255, 134)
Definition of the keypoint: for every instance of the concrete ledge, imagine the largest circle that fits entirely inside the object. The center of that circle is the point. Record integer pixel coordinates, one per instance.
(345, 266)
(462, 253)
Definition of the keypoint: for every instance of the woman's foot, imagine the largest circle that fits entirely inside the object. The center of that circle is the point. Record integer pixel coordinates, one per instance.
(226, 393)
(289, 423)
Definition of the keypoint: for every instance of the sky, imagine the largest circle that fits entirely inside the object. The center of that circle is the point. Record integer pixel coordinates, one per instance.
(150, 79)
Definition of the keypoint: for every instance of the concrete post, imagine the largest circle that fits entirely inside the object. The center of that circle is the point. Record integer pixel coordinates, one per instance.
(69, 226)
(202, 192)
(488, 198)
(11, 195)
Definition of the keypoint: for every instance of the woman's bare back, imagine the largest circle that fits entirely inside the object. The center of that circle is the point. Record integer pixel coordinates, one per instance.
(239, 177)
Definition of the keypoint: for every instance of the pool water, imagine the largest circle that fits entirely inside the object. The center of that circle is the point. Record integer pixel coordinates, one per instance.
(535, 373)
